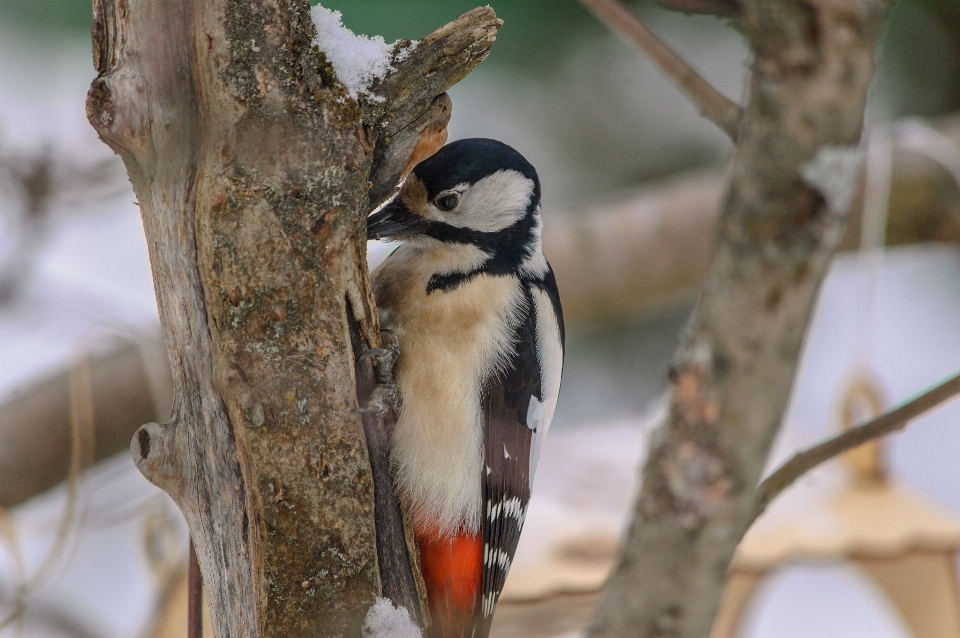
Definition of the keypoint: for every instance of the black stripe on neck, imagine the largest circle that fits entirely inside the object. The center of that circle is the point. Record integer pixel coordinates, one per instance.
(451, 281)
(447, 282)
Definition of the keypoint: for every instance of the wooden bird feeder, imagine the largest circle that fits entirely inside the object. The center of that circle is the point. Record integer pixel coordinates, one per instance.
(903, 543)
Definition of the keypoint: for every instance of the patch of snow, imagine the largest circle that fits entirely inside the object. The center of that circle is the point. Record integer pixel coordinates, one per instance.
(405, 53)
(833, 172)
(386, 621)
(358, 60)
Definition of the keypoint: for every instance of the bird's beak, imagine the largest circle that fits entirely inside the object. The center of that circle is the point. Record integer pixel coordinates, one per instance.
(395, 220)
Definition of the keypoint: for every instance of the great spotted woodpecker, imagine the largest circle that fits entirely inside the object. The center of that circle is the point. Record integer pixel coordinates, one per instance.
(476, 310)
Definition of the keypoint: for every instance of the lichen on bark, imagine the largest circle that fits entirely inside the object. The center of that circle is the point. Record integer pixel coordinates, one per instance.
(253, 168)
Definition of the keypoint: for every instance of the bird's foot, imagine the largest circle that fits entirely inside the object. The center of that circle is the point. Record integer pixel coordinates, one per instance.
(385, 397)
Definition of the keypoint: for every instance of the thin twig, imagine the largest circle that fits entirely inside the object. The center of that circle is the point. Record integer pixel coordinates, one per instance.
(887, 423)
(82, 434)
(713, 104)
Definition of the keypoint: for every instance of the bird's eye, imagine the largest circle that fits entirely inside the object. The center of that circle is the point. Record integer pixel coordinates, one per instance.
(447, 201)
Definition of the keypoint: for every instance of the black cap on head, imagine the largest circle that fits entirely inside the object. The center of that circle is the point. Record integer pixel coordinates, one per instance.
(469, 161)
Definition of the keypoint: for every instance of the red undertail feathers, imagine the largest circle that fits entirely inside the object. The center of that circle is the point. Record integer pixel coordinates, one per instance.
(452, 568)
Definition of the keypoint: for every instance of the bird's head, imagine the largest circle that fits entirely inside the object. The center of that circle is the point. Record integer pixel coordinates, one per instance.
(473, 191)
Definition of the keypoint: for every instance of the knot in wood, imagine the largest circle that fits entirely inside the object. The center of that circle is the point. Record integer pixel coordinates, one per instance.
(100, 107)
(697, 481)
(689, 468)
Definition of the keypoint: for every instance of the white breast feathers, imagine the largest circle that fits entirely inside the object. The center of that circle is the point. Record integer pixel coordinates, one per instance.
(450, 342)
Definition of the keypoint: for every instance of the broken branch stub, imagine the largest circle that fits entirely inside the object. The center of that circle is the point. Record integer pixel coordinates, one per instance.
(252, 168)
(780, 224)
(411, 105)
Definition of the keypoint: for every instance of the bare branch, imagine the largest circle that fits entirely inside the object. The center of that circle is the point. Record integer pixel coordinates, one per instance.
(713, 104)
(888, 423)
(708, 7)
(780, 224)
(411, 91)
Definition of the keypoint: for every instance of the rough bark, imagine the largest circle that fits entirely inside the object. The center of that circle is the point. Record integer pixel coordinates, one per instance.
(253, 169)
(781, 221)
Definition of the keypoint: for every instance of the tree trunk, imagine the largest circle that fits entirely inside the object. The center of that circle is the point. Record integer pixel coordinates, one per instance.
(792, 180)
(254, 169)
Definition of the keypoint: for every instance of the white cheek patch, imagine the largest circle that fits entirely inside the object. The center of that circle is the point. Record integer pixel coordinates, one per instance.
(493, 203)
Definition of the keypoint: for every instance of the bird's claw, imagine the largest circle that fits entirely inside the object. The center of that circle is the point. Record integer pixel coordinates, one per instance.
(374, 352)
(385, 397)
(375, 408)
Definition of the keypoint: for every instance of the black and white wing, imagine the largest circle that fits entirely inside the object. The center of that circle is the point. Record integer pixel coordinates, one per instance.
(517, 407)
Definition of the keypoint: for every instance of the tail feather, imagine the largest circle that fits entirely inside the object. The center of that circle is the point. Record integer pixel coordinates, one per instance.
(452, 570)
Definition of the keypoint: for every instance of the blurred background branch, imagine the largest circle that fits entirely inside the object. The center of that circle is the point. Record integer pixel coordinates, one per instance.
(40, 184)
(887, 423)
(128, 389)
(713, 104)
(624, 257)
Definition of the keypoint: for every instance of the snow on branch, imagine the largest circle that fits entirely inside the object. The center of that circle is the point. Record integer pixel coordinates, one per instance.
(400, 86)
(411, 87)
(358, 60)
